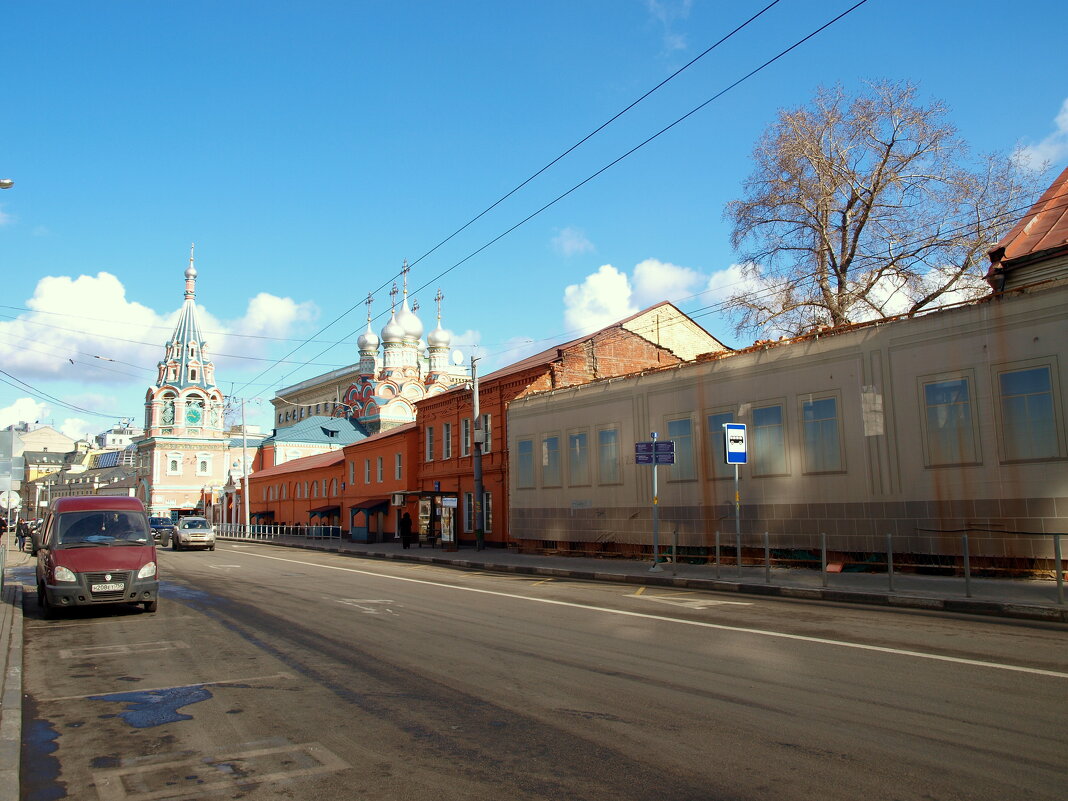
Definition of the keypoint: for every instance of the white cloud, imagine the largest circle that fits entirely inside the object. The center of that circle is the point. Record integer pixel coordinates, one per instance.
(603, 298)
(5, 218)
(572, 242)
(23, 410)
(76, 428)
(667, 13)
(85, 329)
(1054, 148)
(655, 281)
(724, 283)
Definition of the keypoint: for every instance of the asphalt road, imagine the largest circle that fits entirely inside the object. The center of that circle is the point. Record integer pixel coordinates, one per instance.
(271, 674)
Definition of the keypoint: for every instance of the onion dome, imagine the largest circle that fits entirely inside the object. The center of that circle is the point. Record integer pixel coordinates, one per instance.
(439, 337)
(412, 325)
(368, 340)
(393, 331)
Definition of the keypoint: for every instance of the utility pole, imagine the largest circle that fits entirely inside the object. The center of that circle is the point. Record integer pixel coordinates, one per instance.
(244, 464)
(477, 437)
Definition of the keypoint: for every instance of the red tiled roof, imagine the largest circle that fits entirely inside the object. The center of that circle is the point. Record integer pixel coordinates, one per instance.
(1043, 228)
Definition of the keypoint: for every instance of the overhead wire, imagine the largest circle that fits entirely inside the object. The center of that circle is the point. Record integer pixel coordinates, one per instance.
(611, 164)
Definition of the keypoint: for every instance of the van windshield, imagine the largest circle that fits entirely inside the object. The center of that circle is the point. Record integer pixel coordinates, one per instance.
(101, 528)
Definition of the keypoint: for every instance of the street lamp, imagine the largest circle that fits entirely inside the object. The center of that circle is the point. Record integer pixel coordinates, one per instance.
(6, 183)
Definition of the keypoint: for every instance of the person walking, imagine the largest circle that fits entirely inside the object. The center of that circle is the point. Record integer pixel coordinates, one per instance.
(406, 530)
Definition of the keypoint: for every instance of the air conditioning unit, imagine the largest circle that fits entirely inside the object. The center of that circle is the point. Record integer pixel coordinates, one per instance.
(397, 499)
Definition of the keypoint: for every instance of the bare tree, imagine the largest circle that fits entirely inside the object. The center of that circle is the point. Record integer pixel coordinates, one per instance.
(866, 206)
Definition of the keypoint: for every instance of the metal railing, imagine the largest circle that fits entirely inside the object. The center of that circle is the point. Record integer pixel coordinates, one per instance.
(785, 551)
(260, 533)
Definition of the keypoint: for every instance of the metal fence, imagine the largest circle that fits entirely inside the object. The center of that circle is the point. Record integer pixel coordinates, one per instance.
(260, 533)
(738, 551)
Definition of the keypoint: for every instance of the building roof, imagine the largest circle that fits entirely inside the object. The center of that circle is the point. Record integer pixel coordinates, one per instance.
(327, 459)
(1041, 232)
(550, 355)
(319, 430)
(44, 457)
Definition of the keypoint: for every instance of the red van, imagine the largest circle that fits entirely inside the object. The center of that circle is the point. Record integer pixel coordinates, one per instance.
(95, 550)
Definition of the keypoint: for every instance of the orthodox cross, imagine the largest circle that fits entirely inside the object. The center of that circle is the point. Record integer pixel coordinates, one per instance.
(437, 299)
(369, 301)
(393, 297)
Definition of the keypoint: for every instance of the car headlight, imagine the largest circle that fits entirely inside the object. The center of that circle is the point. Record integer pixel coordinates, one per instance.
(64, 574)
(147, 571)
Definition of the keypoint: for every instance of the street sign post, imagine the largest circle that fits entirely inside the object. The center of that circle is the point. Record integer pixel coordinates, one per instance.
(735, 452)
(655, 453)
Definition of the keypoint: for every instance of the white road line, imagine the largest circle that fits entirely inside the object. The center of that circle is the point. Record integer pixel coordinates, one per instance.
(219, 683)
(697, 623)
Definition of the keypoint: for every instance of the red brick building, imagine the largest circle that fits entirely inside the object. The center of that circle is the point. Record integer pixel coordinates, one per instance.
(657, 337)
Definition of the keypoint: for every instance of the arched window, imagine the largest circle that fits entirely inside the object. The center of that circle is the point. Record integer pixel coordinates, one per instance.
(333, 487)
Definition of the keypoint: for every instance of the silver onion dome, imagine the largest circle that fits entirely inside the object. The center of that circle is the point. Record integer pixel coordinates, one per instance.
(439, 337)
(393, 331)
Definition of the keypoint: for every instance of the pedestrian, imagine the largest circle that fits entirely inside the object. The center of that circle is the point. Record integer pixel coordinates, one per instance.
(406, 530)
(21, 533)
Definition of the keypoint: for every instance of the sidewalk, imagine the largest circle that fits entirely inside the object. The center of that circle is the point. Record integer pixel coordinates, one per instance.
(1029, 599)
(11, 671)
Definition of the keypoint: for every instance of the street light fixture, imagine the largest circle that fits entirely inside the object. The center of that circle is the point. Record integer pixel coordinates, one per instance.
(6, 183)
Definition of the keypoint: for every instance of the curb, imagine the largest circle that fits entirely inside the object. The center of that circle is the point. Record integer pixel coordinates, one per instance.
(969, 606)
(10, 690)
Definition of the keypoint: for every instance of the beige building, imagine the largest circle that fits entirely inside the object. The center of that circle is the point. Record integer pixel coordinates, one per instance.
(925, 429)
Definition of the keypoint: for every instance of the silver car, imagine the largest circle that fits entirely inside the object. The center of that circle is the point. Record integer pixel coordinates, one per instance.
(193, 532)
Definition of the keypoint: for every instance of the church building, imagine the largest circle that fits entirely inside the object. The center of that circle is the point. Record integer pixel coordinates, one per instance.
(183, 454)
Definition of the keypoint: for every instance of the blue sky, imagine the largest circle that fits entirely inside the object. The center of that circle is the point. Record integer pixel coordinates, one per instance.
(307, 149)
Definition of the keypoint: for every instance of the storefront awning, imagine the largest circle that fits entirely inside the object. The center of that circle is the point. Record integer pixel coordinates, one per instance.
(369, 503)
(320, 509)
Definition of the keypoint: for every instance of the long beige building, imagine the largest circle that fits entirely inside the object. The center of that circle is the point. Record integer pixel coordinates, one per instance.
(925, 429)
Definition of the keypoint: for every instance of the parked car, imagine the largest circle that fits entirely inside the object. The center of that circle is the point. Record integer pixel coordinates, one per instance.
(193, 532)
(96, 550)
(162, 527)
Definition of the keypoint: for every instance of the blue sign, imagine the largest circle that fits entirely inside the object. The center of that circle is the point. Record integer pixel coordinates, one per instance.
(643, 458)
(643, 447)
(654, 452)
(734, 443)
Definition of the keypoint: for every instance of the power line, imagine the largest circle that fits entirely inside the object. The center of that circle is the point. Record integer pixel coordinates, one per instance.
(611, 164)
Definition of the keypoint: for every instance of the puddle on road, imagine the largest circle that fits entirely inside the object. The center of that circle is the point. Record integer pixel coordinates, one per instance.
(155, 707)
(39, 769)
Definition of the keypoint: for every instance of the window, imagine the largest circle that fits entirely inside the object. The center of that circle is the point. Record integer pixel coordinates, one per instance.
(769, 441)
(192, 374)
(174, 464)
(333, 487)
(430, 443)
(681, 433)
(487, 512)
(608, 455)
(1028, 425)
(203, 464)
(823, 450)
(487, 433)
(315, 489)
(717, 452)
(352, 473)
(297, 493)
(398, 466)
(366, 471)
(578, 459)
(469, 512)
(465, 437)
(378, 469)
(550, 462)
(948, 414)
(446, 440)
(525, 463)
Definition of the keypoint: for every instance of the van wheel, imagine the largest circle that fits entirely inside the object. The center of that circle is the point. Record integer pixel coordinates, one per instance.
(47, 610)
(151, 606)
(211, 548)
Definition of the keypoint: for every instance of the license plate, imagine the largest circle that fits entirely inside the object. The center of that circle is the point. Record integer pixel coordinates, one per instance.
(113, 587)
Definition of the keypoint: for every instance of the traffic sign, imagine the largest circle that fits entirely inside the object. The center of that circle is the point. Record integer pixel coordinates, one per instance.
(10, 499)
(734, 443)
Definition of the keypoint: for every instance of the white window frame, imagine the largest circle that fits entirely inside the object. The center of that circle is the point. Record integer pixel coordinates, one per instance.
(446, 440)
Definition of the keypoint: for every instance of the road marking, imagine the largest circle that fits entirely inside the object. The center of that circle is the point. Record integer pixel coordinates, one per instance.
(696, 623)
(223, 772)
(220, 567)
(364, 606)
(219, 683)
(123, 649)
(543, 581)
(691, 603)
